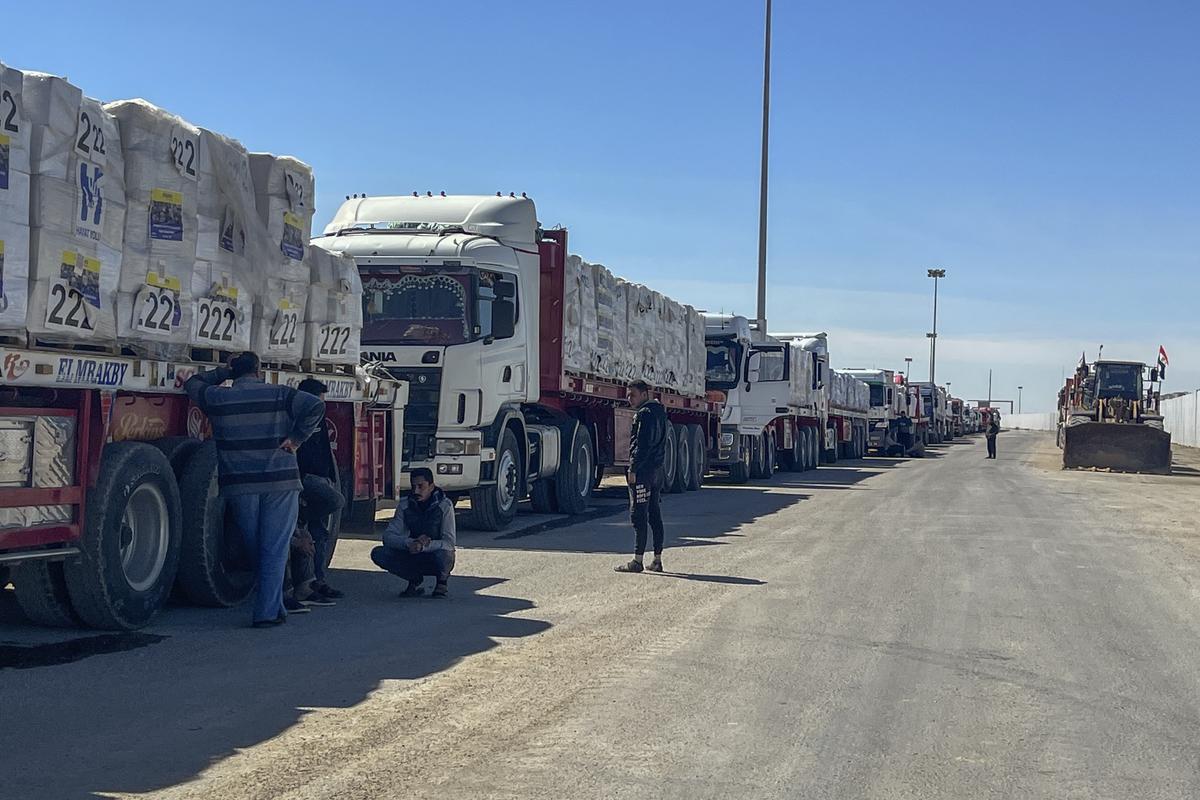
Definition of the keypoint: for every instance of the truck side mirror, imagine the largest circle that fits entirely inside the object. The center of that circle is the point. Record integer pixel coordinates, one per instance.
(504, 319)
(753, 365)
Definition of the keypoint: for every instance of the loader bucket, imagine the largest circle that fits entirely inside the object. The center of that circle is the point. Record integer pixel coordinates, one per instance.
(1119, 447)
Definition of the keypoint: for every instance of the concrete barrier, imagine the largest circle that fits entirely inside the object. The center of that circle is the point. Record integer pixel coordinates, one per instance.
(1029, 422)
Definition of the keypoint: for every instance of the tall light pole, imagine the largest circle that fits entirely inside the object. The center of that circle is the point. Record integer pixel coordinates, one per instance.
(762, 187)
(948, 389)
(1019, 388)
(907, 367)
(935, 274)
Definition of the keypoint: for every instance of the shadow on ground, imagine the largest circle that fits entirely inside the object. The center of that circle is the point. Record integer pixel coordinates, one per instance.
(139, 721)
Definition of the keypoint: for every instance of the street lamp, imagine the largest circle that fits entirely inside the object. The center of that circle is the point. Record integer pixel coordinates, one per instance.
(935, 274)
(948, 389)
(762, 179)
(1019, 388)
(907, 367)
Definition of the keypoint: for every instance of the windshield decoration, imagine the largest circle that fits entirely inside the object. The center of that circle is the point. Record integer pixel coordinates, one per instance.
(426, 309)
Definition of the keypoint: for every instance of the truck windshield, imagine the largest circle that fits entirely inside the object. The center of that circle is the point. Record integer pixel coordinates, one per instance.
(1119, 380)
(429, 305)
(878, 394)
(722, 369)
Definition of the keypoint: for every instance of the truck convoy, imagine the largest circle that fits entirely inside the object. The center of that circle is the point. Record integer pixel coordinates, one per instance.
(1109, 418)
(518, 355)
(893, 417)
(782, 405)
(136, 249)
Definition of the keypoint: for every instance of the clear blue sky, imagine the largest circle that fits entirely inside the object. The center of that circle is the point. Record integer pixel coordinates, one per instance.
(1046, 154)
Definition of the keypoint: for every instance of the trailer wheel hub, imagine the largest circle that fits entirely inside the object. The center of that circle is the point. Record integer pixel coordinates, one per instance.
(145, 537)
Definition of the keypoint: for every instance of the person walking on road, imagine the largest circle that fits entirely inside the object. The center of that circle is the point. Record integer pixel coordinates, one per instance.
(993, 429)
(647, 448)
(420, 539)
(257, 428)
(322, 500)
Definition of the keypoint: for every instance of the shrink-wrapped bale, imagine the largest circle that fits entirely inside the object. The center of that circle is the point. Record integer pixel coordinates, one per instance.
(231, 247)
(14, 204)
(283, 195)
(642, 327)
(604, 359)
(697, 352)
(334, 315)
(277, 334)
(77, 212)
(577, 293)
(166, 159)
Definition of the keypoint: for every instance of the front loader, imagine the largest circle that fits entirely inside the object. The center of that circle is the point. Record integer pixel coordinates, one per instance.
(1107, 420)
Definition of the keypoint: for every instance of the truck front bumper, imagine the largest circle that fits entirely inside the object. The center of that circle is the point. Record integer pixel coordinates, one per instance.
(451, 473)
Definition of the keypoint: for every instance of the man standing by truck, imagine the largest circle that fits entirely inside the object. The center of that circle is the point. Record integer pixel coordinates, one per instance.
(319, 475)
(257, 428)
(647, 447)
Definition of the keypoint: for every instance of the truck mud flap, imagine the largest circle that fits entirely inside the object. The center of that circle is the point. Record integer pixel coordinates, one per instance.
(1119, 447)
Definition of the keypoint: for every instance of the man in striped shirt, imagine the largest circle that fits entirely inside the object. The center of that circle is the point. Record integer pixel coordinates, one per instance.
(258, 427)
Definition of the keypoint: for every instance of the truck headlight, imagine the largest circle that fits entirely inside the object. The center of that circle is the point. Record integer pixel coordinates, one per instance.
(726, 440)
(457, 447)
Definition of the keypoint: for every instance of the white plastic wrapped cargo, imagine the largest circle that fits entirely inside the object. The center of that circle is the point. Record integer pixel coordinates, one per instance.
(277, 332)
(283, 195)
(165, 160)
(14, 204)
(642, 338)
(574, 359)
(800, 384)
(604, 361)
(697, 360)
(230, 242)
(334, 313)
(77, 212)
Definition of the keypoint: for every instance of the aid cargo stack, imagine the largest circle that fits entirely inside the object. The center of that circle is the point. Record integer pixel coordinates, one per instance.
(163, 165)
(231, 245)
(283, 191)
(14, 206)
(334, 314)
(77, 214)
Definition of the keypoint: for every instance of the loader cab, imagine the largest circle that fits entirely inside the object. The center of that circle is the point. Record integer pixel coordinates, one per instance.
(1118, 380)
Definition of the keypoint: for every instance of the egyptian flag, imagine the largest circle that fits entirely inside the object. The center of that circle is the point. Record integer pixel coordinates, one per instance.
(1162, 362)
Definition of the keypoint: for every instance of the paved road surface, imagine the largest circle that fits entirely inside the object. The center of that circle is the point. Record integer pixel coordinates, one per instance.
(945, 628)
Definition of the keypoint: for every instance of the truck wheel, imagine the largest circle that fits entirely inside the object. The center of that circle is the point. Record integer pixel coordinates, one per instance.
(41, 591)
(814, 448)
(214, 568)
(756, 457)
(130, 544)
(739, 471)
(683, 462)
(177, 449)
(493, 507)
(670, 458)
(796, 459)
(768, 455)
(699, 456)
(573, 481)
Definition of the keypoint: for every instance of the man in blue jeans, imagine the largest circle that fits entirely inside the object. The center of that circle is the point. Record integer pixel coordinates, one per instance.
(420, 539)
(258, 427)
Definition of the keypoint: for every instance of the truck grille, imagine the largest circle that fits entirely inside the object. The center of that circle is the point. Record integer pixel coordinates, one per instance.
(421, 413)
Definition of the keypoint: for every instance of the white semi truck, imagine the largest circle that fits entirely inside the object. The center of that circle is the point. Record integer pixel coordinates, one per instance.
(469, 301)
(936, 408)
(768, 416)
(839, 405)
(890, 429)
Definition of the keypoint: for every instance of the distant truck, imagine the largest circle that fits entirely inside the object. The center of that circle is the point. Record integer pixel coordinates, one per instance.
(893, 428)
(467, 301)
(841, 408)
(935, 408)
(768, 399)
(957, 417)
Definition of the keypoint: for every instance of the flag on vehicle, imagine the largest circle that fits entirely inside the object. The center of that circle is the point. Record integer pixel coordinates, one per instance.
(1163, 361)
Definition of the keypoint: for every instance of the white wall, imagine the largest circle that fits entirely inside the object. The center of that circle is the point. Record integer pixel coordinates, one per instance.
(1029, 422)
(1181, 418)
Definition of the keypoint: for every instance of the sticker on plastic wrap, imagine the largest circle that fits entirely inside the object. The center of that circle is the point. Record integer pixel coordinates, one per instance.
(166, 215)
(91, 202)
(333, 340)
(233, 235)
(217, 317)
(156, 307)
(185, 152)
(5, 152)
(293, 187)
(89, 136)
(292, 243)
(75, 295)
(283, 331)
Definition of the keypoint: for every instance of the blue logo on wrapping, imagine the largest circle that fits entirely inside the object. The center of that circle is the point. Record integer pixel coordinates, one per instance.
(91, 200)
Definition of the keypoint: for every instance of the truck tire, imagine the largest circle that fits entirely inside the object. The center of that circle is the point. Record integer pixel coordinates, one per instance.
(768, 455)
(130, 544)
(177, 449)
(572, 488)
(699, 456)
(756, 457)
(214, 568)
(683, 460)
(670, 459)
(494, 507)
(739, 471)
(41, 590)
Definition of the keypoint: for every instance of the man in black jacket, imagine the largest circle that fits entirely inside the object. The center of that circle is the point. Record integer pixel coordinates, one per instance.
(647, 446)
(322, 500)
